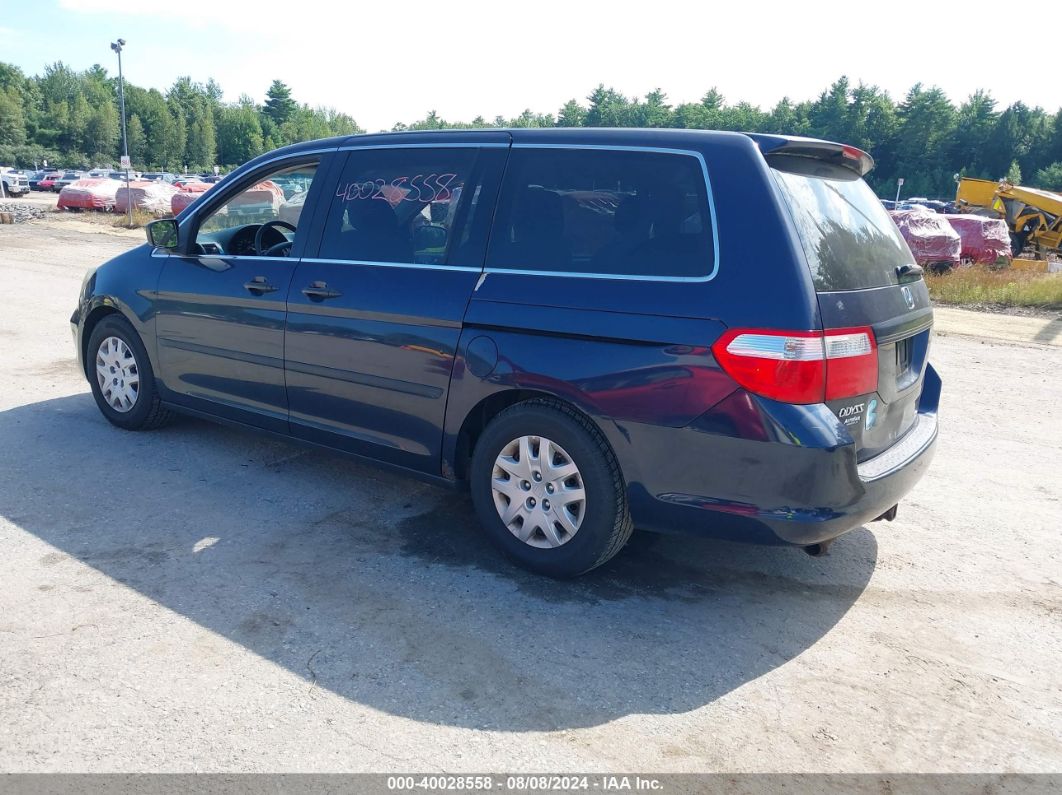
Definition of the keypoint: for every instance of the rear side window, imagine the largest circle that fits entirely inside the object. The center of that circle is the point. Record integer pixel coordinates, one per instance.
(404, 205)
(603, 212)
(848, 238)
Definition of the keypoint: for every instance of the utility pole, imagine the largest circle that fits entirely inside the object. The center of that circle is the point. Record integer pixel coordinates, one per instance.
(117, 47)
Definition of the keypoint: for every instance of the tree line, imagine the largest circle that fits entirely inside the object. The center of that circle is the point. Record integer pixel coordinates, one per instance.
(71, 118)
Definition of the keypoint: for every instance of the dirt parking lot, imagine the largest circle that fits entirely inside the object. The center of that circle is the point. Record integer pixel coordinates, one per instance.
(202, 599)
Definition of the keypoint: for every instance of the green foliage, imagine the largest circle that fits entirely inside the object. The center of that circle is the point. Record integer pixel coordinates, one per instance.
(1013, 175)
(1049, 177)
(571, 115)
(279, 105)
(12, 122)
(137, 139)
(239, 135)
(924, 138)
(71, 118)
(103, 131)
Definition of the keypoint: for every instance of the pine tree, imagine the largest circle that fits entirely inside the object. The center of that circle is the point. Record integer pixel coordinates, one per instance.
(571, 115)
(279, 105)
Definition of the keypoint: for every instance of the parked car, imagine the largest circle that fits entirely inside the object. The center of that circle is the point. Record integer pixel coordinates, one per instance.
(932, 240)
(148, 197)
(89, 193)
(936, 205)
(47, 182)
(985, 241)
(14, 182)
(159, 176)
(188, 193)
(34, 177)
(582, 327)
(67, 178)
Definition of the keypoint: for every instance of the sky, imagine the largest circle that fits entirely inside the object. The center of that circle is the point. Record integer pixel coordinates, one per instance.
(386, 62)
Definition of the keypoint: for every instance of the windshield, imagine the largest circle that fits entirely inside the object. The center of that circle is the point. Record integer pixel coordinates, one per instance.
(849, 239)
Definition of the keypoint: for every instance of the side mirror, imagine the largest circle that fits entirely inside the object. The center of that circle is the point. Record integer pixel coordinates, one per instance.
(162, 233)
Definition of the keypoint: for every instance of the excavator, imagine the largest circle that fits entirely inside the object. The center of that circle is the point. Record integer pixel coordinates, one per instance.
(1034, 216)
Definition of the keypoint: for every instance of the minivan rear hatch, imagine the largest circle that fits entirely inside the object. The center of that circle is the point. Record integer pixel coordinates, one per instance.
(865, 277)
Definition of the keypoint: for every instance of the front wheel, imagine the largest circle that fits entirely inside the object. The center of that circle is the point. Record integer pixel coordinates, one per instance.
(123, 383)
(548, 490)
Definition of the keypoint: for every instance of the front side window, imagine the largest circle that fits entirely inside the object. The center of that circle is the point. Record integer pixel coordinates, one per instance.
(276, 201)
(405, 206)
(604, 212)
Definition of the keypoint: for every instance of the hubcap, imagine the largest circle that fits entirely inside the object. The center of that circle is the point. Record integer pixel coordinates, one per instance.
(117, 374)
(538, 492)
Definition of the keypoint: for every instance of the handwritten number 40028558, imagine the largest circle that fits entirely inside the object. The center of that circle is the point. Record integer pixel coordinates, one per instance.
(421, 188)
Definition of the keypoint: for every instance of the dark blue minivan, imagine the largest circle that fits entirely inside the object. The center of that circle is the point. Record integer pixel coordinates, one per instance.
(592, 330)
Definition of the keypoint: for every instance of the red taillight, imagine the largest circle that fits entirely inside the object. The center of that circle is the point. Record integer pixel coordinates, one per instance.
(800, 366)
(851, 362)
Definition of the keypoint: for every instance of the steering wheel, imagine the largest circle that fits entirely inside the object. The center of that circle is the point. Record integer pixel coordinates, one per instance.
(276, 249)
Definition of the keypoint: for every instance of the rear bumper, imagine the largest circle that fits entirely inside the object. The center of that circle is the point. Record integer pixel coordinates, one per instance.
(800, 483)
(883, 482)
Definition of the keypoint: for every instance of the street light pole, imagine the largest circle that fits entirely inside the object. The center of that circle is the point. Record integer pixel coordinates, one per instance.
(117, 47)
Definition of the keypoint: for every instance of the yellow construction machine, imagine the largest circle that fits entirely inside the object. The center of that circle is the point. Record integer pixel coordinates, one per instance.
(1033, 216)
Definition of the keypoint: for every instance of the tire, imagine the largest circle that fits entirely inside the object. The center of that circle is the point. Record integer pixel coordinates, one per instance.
(138, 409)
(602, 523)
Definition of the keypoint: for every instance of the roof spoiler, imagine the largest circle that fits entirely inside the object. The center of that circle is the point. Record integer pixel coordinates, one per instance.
(844, 155)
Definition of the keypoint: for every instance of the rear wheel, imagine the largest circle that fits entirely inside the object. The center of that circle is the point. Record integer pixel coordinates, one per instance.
(548, 490)
(123, 383)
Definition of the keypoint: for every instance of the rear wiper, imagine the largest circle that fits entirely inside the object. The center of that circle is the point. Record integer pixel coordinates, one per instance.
(909, 273)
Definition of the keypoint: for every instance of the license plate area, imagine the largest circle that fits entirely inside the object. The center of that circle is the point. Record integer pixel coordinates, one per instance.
(903, 362)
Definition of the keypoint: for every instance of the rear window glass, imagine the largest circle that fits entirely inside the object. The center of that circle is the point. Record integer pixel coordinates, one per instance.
(603, 212)
(849, 239)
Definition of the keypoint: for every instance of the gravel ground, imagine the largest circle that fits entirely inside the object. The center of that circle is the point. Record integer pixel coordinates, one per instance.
(201, 599)
(22, 211)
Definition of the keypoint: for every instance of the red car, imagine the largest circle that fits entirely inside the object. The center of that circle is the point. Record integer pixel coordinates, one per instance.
(984, 240)
(935, 245)
(48, 183)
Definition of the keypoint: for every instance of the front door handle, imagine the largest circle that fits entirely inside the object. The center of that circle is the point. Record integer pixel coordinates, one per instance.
(259, 286)
(319, 291)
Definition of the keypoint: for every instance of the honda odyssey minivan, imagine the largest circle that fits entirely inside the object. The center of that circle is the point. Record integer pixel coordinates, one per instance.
(591, 330)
